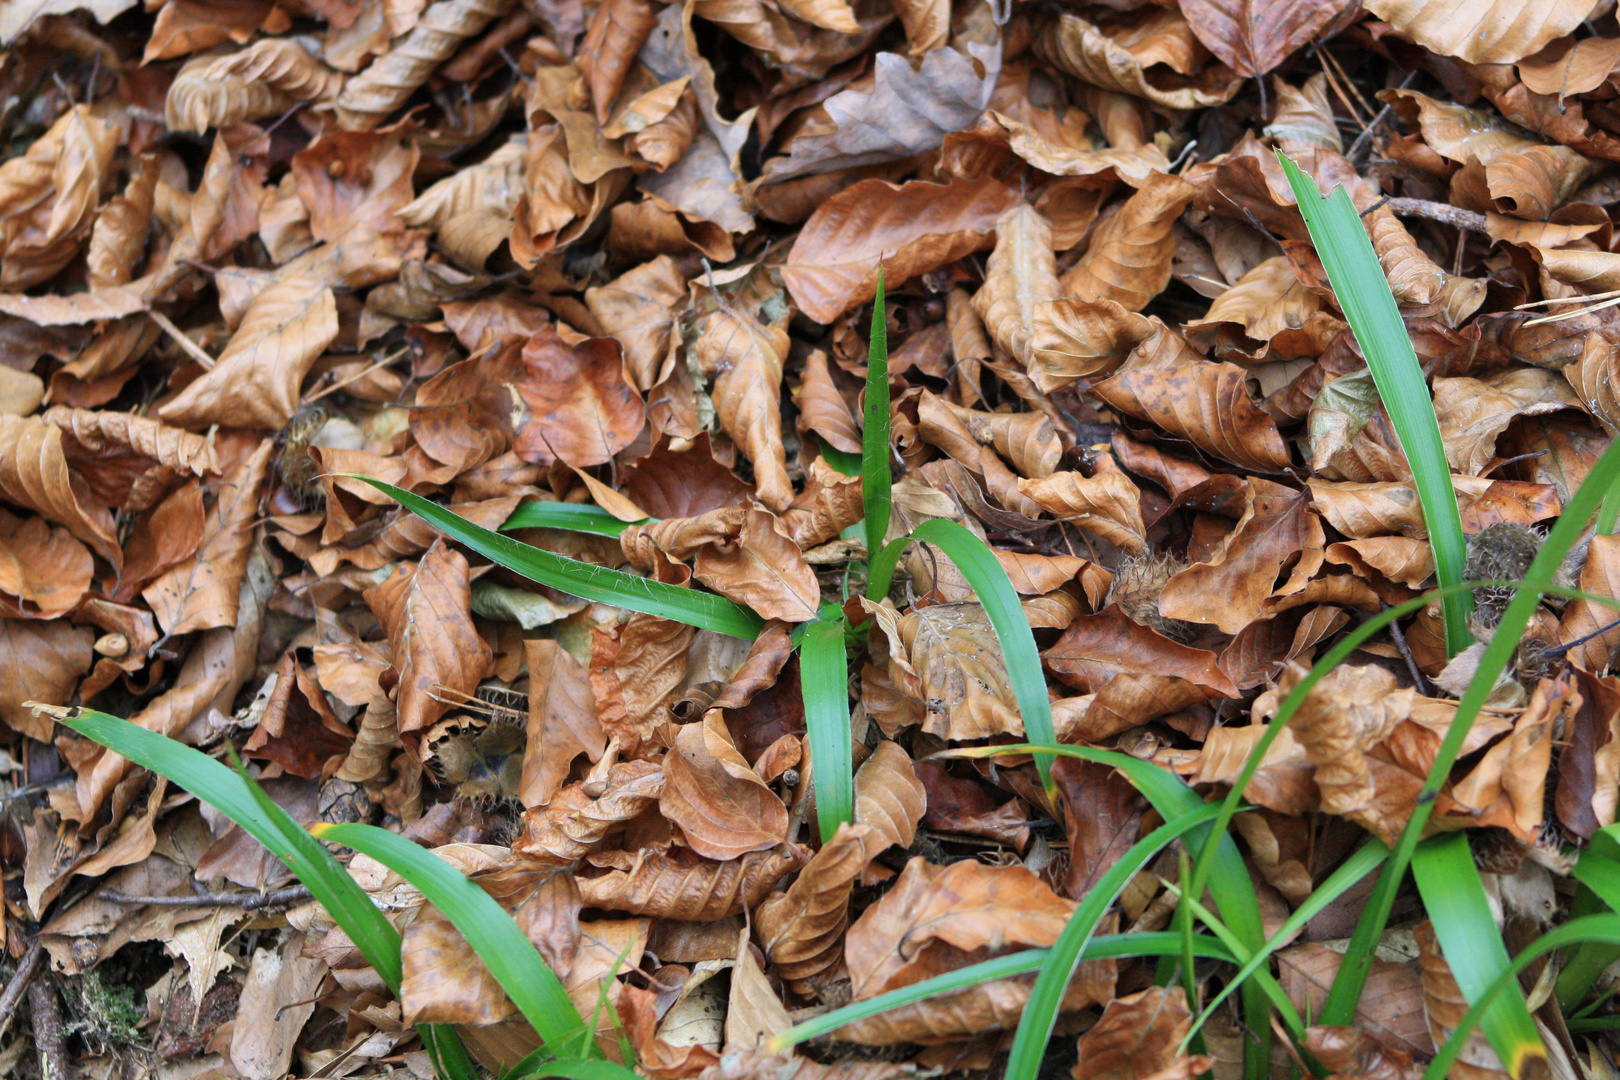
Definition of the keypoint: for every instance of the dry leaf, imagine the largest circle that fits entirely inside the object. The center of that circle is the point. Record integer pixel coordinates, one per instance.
(722, 806)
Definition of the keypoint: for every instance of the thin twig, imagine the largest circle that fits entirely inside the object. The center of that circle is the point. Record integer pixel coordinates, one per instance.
(245, 900)
(27, 968)
(192, 349)
(1444, 213)
(48, 1041)
(1418, 678)
(1383, 114)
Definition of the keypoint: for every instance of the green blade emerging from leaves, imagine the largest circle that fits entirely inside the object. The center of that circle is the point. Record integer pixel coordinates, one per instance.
(1363, 293)
(1472, 944)
(244, 802)
(979, 565)
(514, 961)
(703, 610)
(825, 680)
(876, 482)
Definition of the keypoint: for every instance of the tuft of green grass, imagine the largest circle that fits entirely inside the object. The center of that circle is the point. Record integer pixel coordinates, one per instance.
(1364, 296)
(824, 678)
(235, 795)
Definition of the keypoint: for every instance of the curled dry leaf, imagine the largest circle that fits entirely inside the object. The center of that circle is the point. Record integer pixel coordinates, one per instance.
(562, 721)
(722, 806)
(948, 658)
(1138, 1037)
(1255, 38)
(1229, 589)
(912, 227)
(578, 407)
(573, 823)
(617, 31)
(888, 795)
(802, 929)
(636, 671)
(264, 79)
(745, 360)
(684, 885)
(763, 568)
(1445, 1005)
(370, 96)
(938, 918)
(1072, 339)
(1206, 404)
(1128, 260)
(427, 612)
(34, 473)
(1020, 278)
(1107, 504)
(1120, 59)
(637, 309)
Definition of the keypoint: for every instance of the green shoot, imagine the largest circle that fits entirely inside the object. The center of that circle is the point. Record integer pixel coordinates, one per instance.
(824, 677)
(575, 517)
(1364, 296)
(876, 482)
(703, 610)
(236, 796)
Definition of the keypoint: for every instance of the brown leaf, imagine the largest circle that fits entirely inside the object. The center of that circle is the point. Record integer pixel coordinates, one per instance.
(823, 409)
(573, 823)
(1206, 404)
(888, 795)
(426, 610)
(1075, 338)
(1128, 260)
(578, 407)
(352, 178)
(1391, 1006)
(1019, 279)
(904, 111)
(202, 591)
(43, 566)
(34, 474)
(637, 307)
(617, 31)
(40, 661)
(937, 918)
(635, 674)
(385, 85)
(915, 227)
(947, 657)
(1445, 1004)
(1229, 588)
(1352, 1052)
(722, 806)
(562, 721)
(1133, 671)
(1481, 32)
(1107, 504)
(1567, 66)
(1474, 412)
(255, 381)
(683, 885)
(802, 929)
(1104, 816)
(1254, 39)
(1138, 1037)
(762, 568)
(1153, 58)
(745, 360)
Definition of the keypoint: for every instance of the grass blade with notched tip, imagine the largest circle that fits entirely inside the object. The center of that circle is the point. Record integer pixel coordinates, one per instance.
(514, 961)
(575, 517)
(824, 671)
(1364, 296)
(705, 611)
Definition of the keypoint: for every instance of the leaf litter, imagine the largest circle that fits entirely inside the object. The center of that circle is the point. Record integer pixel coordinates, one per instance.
(625, 256)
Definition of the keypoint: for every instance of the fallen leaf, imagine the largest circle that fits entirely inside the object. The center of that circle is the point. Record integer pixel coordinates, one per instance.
(722, 806)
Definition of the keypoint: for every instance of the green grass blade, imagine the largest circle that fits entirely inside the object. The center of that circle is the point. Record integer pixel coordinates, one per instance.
(1449, 884)
(1347, 985)
(979, 565)
(703, 610)
(1102, 947)
(1259, 978)
(510, 956)
(1364, 296)
(825, 683)
(1228, 877)
(1366, 859)
(1587, 930)
(234, 796)
(1598, 871)
(845, 462)
(245, 803)
(880, 573)
(575, 517)
(1046, 997)
(876, 482)
(575, 1069)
